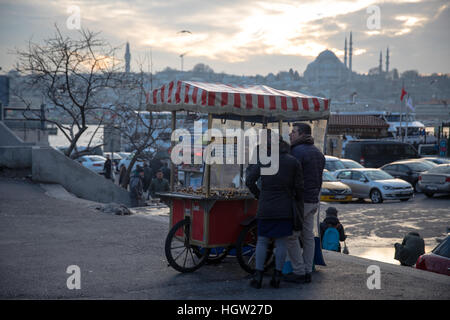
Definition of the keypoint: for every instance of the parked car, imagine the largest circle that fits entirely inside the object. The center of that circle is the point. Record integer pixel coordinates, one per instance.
(375, 184)
(437, 160)
(333, 189)
(94, 163)
(408, 170)
(351, 164)
(376, 153)
(438, 260)
(428, 149)
(126, 161)
(435, 180)
(333, 163)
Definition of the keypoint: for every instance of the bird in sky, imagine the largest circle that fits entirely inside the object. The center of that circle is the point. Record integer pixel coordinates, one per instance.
(184, 31)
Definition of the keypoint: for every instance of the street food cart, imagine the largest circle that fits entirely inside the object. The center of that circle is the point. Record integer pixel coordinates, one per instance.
(207, 223)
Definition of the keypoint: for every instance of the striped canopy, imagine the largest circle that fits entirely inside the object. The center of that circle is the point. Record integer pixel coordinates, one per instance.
(251, 100)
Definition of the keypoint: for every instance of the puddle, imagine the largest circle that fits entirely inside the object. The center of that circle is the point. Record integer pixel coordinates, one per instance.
(384, 254)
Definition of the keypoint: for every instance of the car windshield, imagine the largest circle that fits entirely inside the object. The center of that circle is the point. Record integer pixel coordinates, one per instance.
(326, 176)
(351, 164)
(421, 166)
(443, 249)
(443, 168)
(378, 175)
(333, 165)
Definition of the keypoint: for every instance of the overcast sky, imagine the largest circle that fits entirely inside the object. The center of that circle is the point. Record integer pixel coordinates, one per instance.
(245, 37)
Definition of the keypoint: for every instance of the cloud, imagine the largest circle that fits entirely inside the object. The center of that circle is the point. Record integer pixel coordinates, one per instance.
(235, 32)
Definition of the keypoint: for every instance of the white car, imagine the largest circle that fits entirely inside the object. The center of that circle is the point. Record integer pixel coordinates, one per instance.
(375, 184)
(94, 163)
(126, 162)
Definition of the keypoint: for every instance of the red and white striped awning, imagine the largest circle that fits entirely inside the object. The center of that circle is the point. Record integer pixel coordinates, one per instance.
(251, 100)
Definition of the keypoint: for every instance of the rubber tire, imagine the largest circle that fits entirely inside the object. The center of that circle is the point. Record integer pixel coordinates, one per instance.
(270, 258)
(380, 198)
(167, 248)
(429, 194)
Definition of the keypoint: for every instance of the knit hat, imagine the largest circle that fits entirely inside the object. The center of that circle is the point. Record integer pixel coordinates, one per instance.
(331, 212)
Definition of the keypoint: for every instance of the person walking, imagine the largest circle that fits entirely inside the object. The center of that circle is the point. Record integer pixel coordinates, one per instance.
(148, 175)
(107, 166)
(312, 162)
(136, 188)
(122, 176)
(275, 209)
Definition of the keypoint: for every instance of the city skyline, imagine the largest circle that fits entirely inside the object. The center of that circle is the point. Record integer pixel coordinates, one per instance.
(245, 38)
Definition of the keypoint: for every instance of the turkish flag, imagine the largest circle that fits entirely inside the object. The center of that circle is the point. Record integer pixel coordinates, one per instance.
(403, 94)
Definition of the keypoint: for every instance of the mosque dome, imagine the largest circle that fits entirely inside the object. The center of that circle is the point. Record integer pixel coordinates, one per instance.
(326, 68)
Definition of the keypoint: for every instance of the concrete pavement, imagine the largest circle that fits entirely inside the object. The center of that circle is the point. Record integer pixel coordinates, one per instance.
(122, 257)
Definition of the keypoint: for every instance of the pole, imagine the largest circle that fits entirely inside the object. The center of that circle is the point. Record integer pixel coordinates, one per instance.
(208, 166)
(172, 166)
(242, 151)
(401, 111)
(406, 122)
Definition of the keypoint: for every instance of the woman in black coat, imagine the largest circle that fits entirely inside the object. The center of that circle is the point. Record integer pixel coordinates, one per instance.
(275, 209)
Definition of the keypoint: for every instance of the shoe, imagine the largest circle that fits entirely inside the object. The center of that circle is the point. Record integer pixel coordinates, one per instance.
(256, 282)
(307, 278)
(276, 278)
(296, 278)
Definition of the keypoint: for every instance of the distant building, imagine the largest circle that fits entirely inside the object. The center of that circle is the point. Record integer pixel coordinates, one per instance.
(127, 58)
(4, 90)
(326, 68)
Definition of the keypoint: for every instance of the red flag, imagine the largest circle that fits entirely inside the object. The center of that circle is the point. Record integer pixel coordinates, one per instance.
(403, 94)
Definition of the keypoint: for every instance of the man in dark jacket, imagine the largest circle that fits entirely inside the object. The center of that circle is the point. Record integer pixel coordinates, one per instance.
(159, 184)
(107, 167)
(412, 247)
(312, 161)
(275, 208)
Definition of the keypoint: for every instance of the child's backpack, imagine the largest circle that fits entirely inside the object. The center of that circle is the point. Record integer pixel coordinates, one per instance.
(330, 240)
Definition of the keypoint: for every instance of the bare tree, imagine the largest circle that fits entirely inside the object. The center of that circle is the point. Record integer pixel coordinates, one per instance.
(72, 75)
(142, 131)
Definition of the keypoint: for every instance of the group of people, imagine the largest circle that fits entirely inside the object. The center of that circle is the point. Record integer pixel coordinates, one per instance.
(145, 182)
(294, 189)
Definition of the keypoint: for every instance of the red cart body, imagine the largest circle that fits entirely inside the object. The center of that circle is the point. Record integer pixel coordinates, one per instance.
(214, 222)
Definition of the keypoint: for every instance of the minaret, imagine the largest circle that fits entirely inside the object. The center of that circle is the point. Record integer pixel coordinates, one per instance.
(350, 53)
(127, 58)
(387, 60)
(380, 67)
(345, 53)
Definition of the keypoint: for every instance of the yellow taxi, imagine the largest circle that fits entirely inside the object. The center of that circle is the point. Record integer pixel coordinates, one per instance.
(334, 190)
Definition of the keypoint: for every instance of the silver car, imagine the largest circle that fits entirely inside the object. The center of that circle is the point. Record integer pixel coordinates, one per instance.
(435, 180)
(375, 184)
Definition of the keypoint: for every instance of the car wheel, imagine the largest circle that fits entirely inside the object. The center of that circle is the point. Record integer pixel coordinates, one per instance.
(375, 196)
(429, 194)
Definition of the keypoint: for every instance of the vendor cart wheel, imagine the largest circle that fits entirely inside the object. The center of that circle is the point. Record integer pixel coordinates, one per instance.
(246, 249)
(181, 255)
